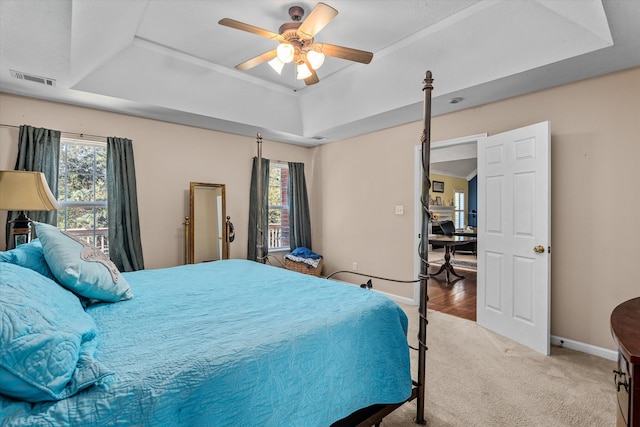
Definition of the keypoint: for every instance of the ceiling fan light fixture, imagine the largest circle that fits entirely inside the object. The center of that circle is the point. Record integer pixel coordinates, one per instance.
(276, 64)
(285, 52)
(296, 43)
(303, 71)
(316, 59)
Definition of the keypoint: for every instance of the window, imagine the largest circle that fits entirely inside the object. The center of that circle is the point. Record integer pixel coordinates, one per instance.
(458, 213)
(82, 191)
(278, 205)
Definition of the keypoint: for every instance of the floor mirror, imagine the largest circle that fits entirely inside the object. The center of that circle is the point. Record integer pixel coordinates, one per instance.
(205, 227)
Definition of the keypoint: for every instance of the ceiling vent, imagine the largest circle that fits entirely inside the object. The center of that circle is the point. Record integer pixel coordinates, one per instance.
(32, 78)
(319, 138)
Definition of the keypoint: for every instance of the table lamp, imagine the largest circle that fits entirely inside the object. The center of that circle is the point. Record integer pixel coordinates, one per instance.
(24, 191)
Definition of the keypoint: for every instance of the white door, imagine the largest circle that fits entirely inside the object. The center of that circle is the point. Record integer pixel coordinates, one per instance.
(514, 239)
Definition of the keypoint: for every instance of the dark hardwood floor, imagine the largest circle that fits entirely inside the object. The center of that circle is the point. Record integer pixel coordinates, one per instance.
(457, 298)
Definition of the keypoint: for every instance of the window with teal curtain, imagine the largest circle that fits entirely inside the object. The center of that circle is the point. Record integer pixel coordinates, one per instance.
(297, 206)
(38, 151)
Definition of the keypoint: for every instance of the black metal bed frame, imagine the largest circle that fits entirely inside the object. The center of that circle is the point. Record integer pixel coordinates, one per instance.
(374, 414)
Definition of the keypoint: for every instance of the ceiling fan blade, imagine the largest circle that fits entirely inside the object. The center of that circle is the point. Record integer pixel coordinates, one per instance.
(267, 56)
(345, 53)
(249, 28)
(319, 17)
(313, 78)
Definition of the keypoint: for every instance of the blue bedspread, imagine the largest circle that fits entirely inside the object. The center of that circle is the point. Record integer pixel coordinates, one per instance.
(236, 343)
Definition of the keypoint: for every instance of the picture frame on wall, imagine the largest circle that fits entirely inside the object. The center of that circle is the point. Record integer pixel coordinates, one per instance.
(438, 186)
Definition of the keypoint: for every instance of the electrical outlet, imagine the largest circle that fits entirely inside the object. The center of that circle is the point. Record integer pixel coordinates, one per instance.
(355, 266)
(399, 209)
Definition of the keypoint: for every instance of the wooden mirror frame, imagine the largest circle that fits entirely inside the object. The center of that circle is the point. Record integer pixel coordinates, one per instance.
(193, 220)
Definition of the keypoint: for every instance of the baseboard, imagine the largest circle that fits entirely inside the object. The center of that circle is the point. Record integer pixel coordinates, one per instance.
(555, 340)
(584, 348)
(397, 298)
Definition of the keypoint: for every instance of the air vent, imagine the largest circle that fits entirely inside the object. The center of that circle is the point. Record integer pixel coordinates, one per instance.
(32, 78)
(319, 138)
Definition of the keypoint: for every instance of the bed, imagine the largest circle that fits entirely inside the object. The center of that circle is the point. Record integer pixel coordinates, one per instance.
(227, 343)
(235, 343)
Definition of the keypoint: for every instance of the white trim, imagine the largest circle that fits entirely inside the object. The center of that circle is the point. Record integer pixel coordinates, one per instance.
(456, 141)
(555, 340)
(584, 348)
(397, 298)
(393, 297)
(417, 191)
(89, 141)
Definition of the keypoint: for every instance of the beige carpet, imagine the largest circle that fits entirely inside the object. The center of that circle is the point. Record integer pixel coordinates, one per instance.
(478, 378)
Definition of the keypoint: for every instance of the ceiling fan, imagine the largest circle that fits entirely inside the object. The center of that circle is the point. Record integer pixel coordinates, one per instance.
(297, 44)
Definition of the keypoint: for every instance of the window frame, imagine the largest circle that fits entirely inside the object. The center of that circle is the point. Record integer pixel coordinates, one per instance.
(459, 212)
(96, 236)
(283, 236)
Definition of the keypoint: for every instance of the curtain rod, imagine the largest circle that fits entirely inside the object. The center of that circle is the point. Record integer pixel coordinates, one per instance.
(277, 161)
(81, 135)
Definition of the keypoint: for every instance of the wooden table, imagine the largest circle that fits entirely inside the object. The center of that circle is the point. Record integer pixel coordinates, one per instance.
(449, 242)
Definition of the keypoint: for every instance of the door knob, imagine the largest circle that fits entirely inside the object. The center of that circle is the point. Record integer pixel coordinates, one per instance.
(539, 249)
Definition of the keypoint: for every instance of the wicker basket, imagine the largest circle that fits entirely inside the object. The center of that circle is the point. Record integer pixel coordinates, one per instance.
(302, 267)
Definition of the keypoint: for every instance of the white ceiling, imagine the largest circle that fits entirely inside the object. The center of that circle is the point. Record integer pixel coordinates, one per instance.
(170, 60)
(456, 158)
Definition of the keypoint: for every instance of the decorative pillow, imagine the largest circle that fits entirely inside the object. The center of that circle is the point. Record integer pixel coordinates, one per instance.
(80, 267)
(29, 255)
(48, 341)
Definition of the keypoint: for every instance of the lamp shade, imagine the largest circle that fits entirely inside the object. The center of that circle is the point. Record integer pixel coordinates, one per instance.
(316, 59)
(285, 52)
(276, 64)
(25, 191)
(303, 71)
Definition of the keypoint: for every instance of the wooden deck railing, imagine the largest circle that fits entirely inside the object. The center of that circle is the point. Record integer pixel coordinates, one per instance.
(97, 237)
(276, 238)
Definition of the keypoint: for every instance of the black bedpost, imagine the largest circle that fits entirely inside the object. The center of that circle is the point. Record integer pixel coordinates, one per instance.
(424, 250)
(260, 241)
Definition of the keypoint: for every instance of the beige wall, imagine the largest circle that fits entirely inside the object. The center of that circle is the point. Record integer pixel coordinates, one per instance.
(355, 184)
(595, 140)
(168, 157)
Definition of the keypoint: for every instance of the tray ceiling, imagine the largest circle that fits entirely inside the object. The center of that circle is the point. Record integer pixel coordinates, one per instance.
(170, 60)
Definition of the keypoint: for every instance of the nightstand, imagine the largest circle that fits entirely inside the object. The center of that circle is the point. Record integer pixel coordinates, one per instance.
(625, 328)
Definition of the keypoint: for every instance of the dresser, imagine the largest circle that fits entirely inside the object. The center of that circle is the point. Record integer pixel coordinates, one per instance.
(625, 328)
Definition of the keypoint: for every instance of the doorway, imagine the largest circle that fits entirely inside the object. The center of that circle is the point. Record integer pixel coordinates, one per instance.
(514, 239)
(456, 158)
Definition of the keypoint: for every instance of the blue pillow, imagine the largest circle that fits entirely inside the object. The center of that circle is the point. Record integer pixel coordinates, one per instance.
(29, 255)
(80, 267)
(48, 341)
